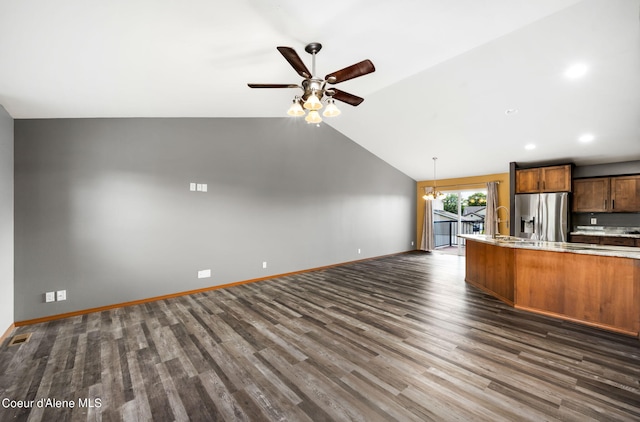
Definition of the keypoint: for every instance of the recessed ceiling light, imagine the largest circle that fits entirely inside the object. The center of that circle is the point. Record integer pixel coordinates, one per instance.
(530, 146)
(511, 111)
(587, 137)
(576, 71)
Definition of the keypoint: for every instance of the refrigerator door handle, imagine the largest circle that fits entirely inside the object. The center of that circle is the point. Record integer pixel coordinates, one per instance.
(542, 217)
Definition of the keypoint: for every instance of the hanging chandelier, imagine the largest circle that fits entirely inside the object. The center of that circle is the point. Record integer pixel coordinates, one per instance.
(434, 193)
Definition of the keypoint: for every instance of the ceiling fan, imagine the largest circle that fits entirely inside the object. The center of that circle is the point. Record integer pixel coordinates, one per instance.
(315, 89)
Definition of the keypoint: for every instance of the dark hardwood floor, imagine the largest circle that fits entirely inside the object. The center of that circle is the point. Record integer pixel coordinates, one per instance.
(397, 338)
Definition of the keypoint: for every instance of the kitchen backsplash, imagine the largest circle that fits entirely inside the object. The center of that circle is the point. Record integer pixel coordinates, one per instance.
(600, 230)
(606, 219)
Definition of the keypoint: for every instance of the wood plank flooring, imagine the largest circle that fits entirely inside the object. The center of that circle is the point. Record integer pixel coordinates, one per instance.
(397, 338)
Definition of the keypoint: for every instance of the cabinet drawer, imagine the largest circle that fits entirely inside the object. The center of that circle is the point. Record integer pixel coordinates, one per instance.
(581, 238)
(618, 241)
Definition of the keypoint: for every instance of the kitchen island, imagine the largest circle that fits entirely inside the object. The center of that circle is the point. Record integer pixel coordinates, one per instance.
(590, 284)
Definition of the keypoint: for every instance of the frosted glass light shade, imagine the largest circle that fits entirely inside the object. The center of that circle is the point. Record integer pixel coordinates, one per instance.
(295, 109)
(313, 117)
(313, 103)
(331, 110)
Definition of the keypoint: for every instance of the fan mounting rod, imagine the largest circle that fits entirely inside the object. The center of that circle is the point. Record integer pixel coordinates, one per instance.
(313, 48)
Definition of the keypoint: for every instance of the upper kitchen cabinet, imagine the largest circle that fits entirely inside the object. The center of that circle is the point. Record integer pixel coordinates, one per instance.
(591, 195)
(544, 179)
(607, 194)
(625, 194)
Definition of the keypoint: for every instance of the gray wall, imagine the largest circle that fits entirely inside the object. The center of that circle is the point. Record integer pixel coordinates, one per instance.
(609, 169)
(6, 220)
(607, 219)
(103, 207)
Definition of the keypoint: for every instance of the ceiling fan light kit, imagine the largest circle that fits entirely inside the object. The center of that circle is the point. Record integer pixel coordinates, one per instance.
(315, 90)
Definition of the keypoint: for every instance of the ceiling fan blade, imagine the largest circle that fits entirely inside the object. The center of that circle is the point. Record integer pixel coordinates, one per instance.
(295, 61)
(273, 86)
(345, 97)
(353, 71)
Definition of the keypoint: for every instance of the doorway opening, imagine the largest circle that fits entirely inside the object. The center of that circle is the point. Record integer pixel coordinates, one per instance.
(459, 212)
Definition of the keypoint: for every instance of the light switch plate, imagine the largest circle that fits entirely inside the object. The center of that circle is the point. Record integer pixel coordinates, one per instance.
(50, 297)
(192, 187)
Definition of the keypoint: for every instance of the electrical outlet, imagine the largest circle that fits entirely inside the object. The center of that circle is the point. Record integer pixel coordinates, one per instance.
(264, 264)
(359, 250)
(594, 220)
(50, 297)
(198, 187)
(412, 243)
(204, 273)
(61, 295)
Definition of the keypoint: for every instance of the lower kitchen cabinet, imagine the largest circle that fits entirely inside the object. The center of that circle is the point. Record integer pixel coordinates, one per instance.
(604, 240)
(597, 290)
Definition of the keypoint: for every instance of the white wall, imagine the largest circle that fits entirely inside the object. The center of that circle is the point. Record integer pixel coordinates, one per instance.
(6, 220)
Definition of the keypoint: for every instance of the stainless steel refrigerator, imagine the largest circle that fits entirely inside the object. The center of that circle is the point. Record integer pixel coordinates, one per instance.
(542, 216)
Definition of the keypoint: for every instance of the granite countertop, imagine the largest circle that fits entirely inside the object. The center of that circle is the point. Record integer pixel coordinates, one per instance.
(580, 248)
(633, 232)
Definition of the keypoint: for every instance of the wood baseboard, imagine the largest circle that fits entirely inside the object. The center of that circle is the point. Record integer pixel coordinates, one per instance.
(188, 292)
(7, 333)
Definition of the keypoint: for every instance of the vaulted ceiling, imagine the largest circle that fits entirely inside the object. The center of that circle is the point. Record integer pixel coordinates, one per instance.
(446, 73)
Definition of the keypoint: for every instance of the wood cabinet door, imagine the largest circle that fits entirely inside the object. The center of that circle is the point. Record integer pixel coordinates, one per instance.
(591, 195)
(528, 180)
(555, 179)
(625, 194)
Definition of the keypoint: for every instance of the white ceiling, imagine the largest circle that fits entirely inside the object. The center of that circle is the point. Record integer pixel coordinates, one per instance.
(446, 71)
